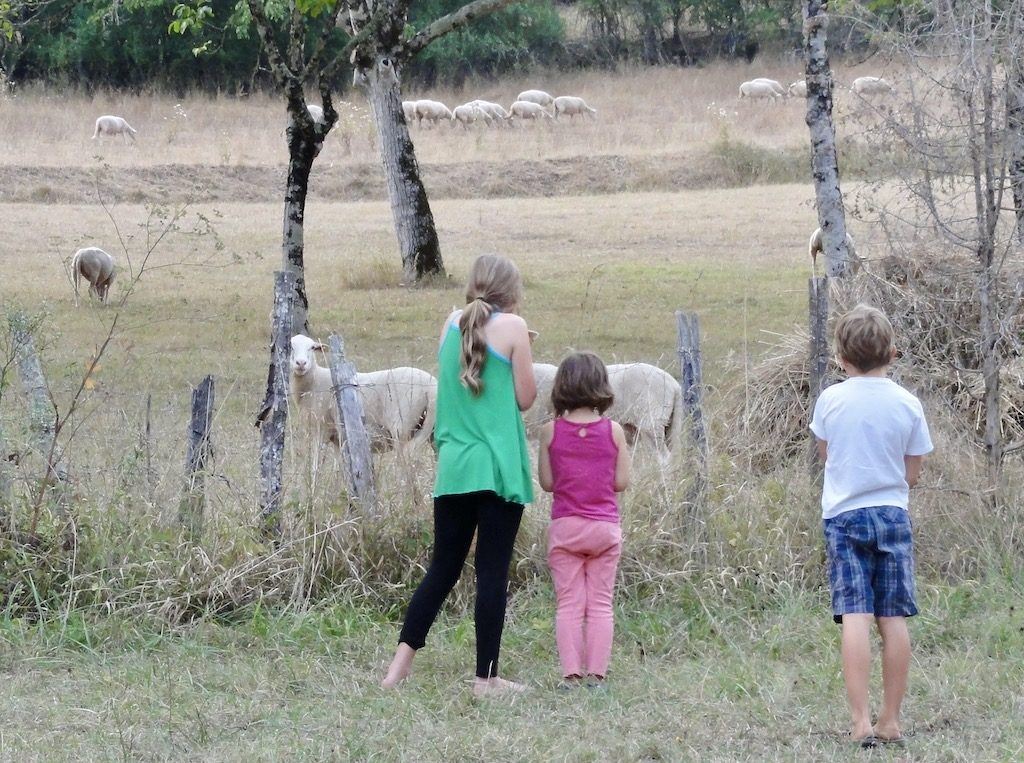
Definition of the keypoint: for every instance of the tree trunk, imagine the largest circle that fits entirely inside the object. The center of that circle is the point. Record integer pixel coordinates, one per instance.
(302, 149)
(355, 442)
(42, 414)
(414, 222)
(990, 362)
(1015, 138)
(824, 162)
(274, 416)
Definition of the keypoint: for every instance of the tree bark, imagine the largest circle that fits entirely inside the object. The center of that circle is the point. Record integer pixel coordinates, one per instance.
(414, 220)
(824, 160)
(1015, 138)
(302, 150)
(355, 442)
(274, 417)
(6, 481)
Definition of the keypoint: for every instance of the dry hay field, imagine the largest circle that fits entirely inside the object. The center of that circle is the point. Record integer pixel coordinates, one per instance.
(677, 196)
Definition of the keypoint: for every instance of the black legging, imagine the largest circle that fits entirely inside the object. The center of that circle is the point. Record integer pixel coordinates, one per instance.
(456, 517)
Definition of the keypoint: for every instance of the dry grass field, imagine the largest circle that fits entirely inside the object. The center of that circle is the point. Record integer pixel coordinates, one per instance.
(138, 646)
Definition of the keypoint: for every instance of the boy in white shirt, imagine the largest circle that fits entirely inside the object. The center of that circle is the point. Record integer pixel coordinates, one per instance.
(873, 437)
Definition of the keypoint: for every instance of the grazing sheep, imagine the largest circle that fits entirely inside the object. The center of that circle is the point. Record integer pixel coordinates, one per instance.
(536, 96)
(468, 113)
(798, 89)
(432, 111)
(648, 404)
(398, 404)
(774, 83)
(111, 125)
(528, 110)
(409, 110)
(97, 267)
(871, 86)
(317, 112)
(758, 90)
(816, 245)
(570, 105)
(541, 411)
(493, 110)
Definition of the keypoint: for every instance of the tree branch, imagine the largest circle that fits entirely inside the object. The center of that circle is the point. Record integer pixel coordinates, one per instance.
(274, 56)
(442, 26)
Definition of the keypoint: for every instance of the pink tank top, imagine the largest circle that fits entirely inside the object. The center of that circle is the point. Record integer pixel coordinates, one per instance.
(583, 458)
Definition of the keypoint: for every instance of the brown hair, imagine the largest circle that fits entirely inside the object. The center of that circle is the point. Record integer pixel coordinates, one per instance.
(494, 284)
(865, 338)
(581, 382)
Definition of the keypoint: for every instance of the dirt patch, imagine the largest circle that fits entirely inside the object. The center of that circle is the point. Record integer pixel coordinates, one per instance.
(575, 176)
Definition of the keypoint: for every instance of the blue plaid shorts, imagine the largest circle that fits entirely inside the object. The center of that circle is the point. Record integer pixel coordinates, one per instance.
(871, 562)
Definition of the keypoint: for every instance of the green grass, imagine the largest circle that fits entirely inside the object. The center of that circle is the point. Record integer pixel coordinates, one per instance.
(693, 678)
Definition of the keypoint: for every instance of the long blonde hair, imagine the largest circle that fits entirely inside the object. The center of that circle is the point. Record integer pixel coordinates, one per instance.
(494, 284)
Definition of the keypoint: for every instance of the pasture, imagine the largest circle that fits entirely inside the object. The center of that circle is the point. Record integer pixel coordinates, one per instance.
(152, 649)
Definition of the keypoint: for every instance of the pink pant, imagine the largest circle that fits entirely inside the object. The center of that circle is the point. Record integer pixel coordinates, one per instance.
(583, 555)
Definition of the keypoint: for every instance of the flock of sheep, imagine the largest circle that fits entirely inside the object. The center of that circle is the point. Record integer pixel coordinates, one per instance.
(399, 403)
(771, 90)
(529, 104)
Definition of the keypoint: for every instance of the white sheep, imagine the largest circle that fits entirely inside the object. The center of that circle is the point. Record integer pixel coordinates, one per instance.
(316, 112)
(399, 404)
(468, 113)
(775, 85)
(528, 110)
(817, 244)
(111, 125)
(648, 404)
(432, 111)
(871, 86)
(542, 410)
(571, 105)
(409, 110)
(494, 110)
(758, 90)
(536, 96)
(95, 266)
(798, 89)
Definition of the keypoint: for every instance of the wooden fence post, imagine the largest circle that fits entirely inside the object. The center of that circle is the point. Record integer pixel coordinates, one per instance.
(691, 380)
(355, 442)
(274, 415)
(200, 452)
(6, 480)
(817, 292)
(42, 412)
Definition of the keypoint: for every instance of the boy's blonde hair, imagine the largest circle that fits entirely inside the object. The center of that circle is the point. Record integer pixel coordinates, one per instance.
(865, 338)
(494, 284)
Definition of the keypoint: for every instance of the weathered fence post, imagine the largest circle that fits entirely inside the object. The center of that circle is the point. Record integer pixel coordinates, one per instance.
(354, 441)
(274, 415)
(200, 451)
(691, 380)
(817, 291)
(6, 480)
(42, 412)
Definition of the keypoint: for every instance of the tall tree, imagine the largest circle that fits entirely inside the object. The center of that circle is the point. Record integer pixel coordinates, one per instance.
(824, 159)
(383, 49)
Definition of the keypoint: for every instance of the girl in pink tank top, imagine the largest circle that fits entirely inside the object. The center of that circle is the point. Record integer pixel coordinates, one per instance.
(584, 461)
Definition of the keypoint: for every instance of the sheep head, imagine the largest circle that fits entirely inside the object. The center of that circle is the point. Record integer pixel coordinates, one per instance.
(303, 359)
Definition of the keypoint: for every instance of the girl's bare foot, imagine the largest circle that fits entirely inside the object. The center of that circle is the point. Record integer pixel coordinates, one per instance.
(888, 733)
(400, 668)
(495, 687)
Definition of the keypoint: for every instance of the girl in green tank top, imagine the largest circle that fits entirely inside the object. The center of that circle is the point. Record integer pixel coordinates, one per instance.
(485, 378)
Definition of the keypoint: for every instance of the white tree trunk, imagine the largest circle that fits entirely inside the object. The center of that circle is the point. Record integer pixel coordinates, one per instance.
(824, 161)
(414, 221)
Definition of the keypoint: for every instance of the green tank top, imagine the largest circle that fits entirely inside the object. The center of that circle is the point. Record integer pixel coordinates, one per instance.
(481, 441)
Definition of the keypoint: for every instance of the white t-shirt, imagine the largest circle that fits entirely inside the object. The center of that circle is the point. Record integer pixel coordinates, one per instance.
(870, 423)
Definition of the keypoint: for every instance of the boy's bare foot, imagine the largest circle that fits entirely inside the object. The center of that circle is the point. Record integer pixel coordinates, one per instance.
(495, 687)
(400, 668)
(888, 733)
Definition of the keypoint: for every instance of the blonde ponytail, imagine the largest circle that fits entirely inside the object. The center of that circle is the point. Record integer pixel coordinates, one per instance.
(494, 284)
(474, 343)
